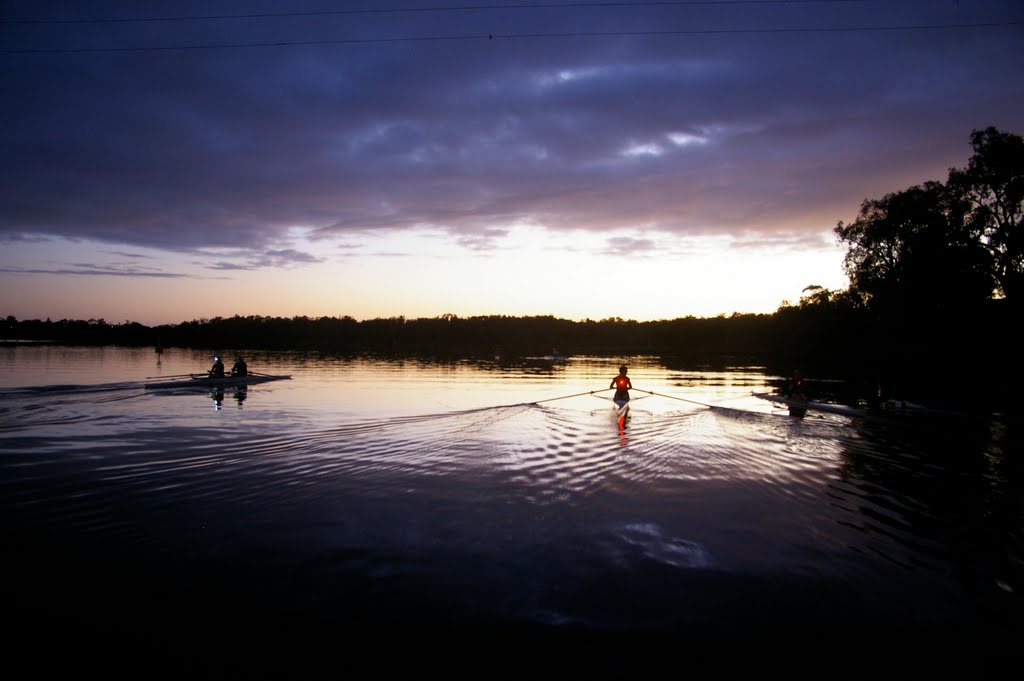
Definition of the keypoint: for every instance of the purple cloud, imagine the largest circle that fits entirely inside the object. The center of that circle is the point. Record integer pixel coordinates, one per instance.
(713, 130)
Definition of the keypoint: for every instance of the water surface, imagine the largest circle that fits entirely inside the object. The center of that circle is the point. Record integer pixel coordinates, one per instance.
(415, 504)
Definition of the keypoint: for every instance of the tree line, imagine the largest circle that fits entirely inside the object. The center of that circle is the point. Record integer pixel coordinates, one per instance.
(445, 336)
(931, 313)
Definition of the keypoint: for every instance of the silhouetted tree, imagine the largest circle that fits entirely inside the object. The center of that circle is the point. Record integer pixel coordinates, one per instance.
(915, 251)
(993, 186)
(931, 264)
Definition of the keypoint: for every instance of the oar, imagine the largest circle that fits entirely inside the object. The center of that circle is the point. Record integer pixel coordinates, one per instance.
(565, 397)
(681, 399)
(174, 376)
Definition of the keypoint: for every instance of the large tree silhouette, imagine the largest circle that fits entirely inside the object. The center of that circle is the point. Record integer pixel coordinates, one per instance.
(931, 263)
(916, 251)
(993, 186)
(942, 247)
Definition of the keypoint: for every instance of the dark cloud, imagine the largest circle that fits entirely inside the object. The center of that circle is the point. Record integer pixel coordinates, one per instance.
(631, 246)
(282, 258)
(792, 241)
(134, 256)
(95, 270)
(485, 240)
(692, 133)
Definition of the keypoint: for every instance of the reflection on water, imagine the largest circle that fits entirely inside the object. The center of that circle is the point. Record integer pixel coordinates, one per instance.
(237, 393)
(415, 501)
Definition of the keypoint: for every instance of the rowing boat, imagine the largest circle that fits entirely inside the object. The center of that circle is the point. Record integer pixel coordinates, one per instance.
(802, 405)
(205, 382)
(892, 409)
(621, 412)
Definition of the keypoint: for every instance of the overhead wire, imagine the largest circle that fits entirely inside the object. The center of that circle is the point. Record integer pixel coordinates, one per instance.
(507, 36)
(420, 10)
(489, 36)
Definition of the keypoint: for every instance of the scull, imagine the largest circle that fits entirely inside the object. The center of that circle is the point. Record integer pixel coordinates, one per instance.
(203, 381)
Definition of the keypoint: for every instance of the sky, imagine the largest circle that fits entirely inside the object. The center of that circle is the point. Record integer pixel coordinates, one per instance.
(170, 161)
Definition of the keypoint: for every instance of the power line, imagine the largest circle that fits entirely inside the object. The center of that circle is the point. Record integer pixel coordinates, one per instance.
(513, 36)
(420, 10)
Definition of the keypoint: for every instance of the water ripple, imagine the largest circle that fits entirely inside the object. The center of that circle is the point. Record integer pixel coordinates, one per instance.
(558, 501)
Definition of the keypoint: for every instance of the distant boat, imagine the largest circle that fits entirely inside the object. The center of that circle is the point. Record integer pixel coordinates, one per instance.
(556, 357)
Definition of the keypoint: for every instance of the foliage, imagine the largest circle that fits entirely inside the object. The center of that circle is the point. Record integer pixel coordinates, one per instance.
(993, 186)
(915, 251)
(938, 269)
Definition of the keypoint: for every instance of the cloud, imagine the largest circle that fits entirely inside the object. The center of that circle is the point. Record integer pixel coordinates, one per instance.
(630, 246)
(124, 254)
(793, 241)
(282, 258)
(486, 240)
(93, 270)
(696, 134)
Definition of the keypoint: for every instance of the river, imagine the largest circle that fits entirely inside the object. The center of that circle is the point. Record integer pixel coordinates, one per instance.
(368, 508)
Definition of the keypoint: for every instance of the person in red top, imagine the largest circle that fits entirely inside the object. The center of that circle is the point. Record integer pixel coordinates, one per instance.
(622, 385)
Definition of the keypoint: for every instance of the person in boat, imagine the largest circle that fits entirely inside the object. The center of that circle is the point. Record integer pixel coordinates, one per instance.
(795, 387)
(217, 370)
(794, 390)
(622, 386)
(240, 368)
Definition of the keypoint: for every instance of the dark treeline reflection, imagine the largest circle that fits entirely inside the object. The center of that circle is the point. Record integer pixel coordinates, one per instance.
(930, 314)
(967, 480)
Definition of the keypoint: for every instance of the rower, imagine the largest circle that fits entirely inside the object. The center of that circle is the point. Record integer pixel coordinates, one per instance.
(217, 370)
(240, 368)
(794, 390)
(622, 385)
(795, 387)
